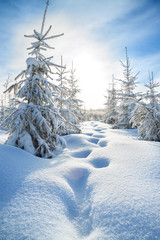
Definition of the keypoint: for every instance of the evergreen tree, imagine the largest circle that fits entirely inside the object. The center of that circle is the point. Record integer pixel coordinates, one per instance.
(6, 94)
(2, 110)
(146, 115)
(33, 126)
(75, 104)
(62, 84)
(61, 98)
(111, 104)
(63, 102)
(127, 95)
(8, 98)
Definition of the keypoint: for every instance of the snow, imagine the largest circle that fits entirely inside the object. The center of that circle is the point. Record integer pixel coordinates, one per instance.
(24, 141)
(32, 61)
(103, 186)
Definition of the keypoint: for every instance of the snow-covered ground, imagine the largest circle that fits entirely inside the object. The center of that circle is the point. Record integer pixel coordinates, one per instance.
(103, 186)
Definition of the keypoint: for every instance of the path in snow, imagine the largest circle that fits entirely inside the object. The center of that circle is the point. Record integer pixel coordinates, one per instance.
(77, 178)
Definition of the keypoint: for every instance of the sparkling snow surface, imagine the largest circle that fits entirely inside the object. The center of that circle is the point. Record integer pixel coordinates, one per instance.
(103, 186)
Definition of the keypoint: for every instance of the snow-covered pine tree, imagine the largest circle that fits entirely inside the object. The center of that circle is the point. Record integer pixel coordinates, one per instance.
(126, 94)
(8, 98)
(61, 95)
(146, 114)
(62, 84)
(75, 104)
(6, 94)
(111, 104)
(34, 124)
(63, 102)
(2, 110)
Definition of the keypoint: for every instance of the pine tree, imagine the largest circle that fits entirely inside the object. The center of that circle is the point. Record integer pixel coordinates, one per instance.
(2, 110)
(62, 84)
(8, 98)
(146, 115)
(75, 104)
(33, 126)
(64, 102)
(111, 104)
(6, 94)
(62, 97)
(127, 95)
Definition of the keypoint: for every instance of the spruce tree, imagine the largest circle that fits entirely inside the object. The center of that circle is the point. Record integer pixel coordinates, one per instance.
(111, 104)
(127, 95)
(62, 85)
(33, 126)
(8, 98)
(146, 115)
(64, 102)
(2, 110)
(75, 104)
(62, 97)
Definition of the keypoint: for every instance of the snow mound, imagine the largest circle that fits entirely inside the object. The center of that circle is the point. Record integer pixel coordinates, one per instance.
(24, 142)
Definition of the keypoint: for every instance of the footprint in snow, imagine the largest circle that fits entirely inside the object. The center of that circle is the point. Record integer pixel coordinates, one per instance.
(102, 143)
(100, 162)
(98, 136)
(93, 140)
(81, 154)
(88, 134)
(77, 175)
(97, 130)
(77, 179)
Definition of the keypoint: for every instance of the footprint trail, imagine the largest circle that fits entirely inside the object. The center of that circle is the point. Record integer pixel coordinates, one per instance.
(86, 161)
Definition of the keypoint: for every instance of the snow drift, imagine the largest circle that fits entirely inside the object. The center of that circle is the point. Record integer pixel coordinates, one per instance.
(103, 186)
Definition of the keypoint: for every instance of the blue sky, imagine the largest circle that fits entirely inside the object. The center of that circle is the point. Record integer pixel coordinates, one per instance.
(96, 33)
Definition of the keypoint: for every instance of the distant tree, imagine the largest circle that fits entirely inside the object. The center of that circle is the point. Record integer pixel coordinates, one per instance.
(6, 94)
(2, 110)
(75, 104)
(146, 114)
(127, 95)
(62, 84)
(64, 102)
(61, 98)
(8, 98)
(111, 104)
(33, 126)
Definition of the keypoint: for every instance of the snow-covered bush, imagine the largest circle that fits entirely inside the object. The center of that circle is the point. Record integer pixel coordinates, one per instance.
(34, 124)
(146, 114)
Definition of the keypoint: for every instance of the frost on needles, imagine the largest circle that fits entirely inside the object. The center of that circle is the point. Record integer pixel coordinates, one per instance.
(34, 124)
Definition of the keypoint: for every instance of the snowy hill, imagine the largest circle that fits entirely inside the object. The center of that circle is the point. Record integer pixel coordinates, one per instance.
(103, 186)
